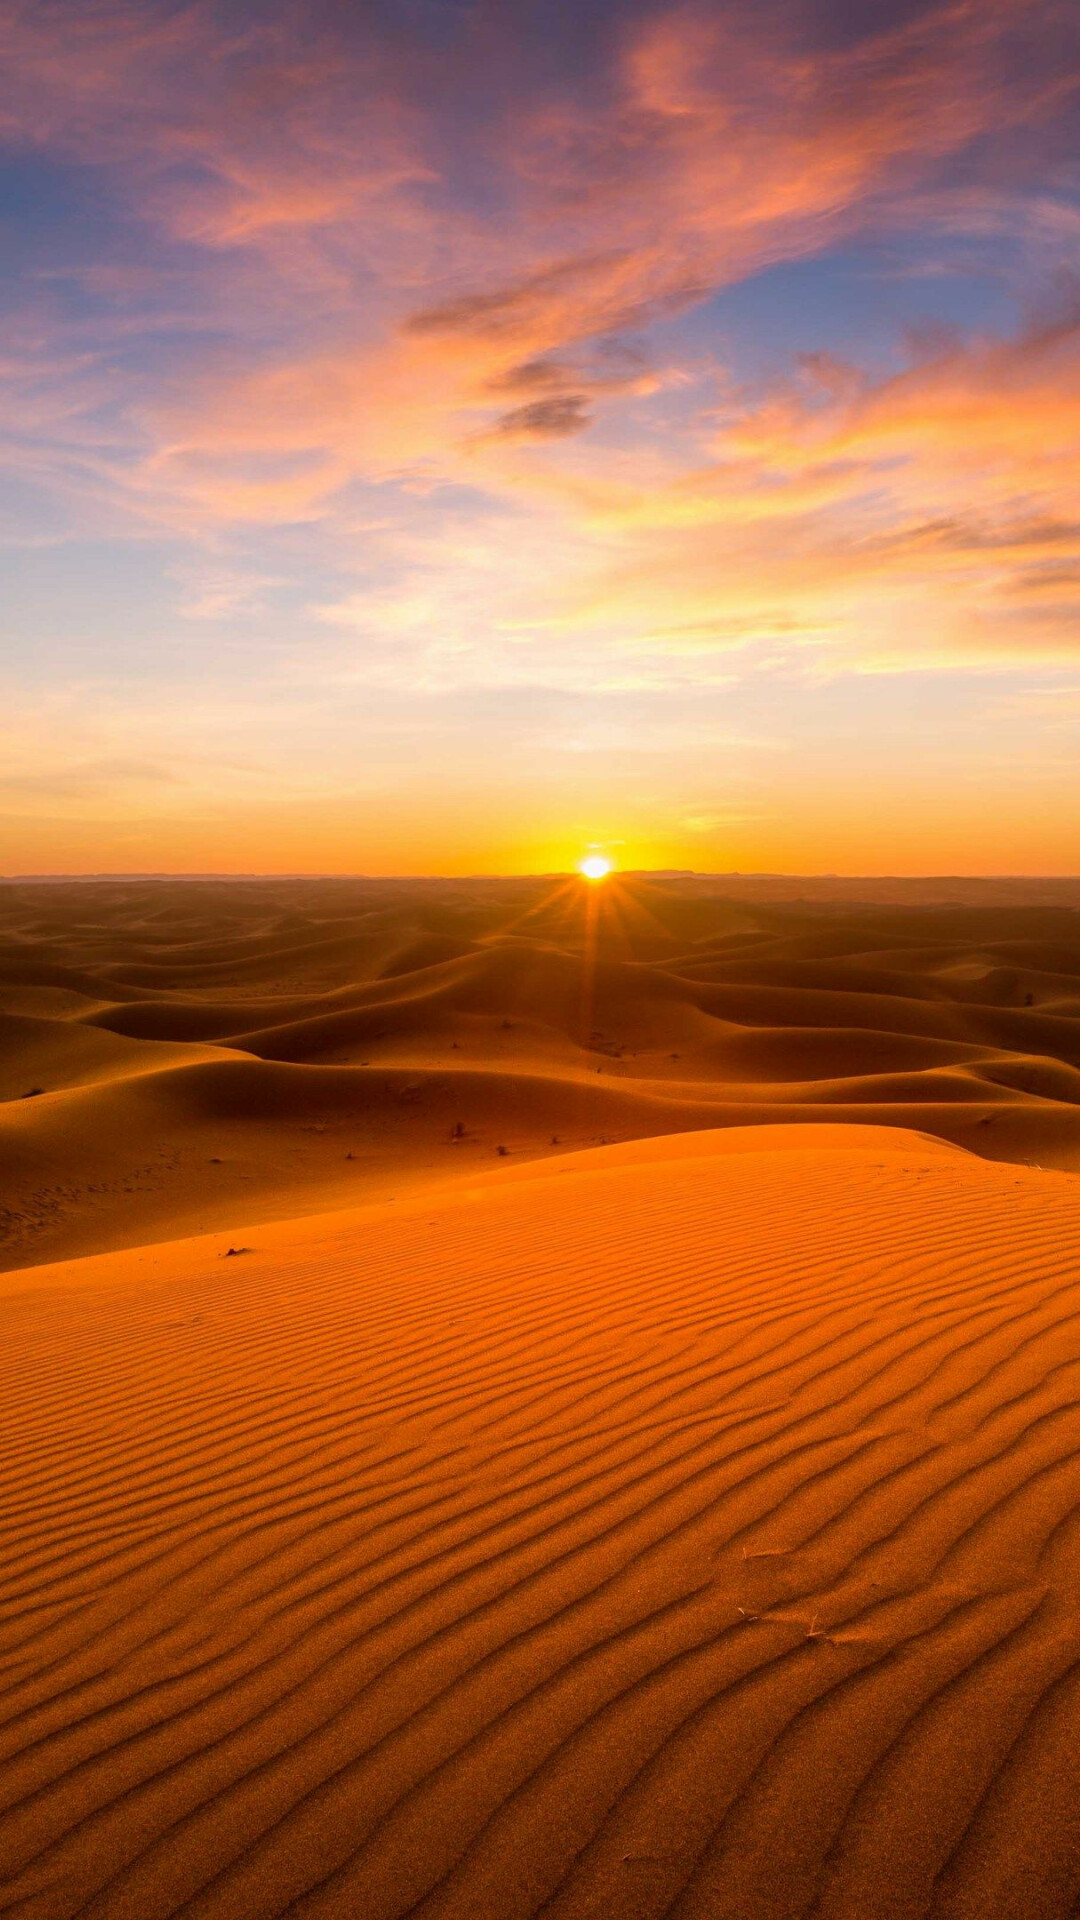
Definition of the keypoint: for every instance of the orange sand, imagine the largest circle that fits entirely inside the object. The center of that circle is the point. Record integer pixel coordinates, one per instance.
(671, 1530)
(684, 1526)
(218, 1053)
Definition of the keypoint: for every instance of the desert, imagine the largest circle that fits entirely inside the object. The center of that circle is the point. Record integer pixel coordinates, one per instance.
(180, 1054)
(539, 960)
(529, 1399)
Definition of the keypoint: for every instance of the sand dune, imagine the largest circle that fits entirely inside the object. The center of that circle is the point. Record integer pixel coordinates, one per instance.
(200, 1054)
(609, 1449)
(681, 1527)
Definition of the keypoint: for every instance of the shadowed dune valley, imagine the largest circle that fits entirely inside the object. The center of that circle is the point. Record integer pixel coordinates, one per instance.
(540, 1398)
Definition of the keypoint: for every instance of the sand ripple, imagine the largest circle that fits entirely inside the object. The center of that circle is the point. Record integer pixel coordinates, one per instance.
(688, 1528)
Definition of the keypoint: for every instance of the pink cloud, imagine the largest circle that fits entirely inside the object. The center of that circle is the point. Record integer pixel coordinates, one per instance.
(224, 131)
(433, 332)
(723, 141)
(933, 514)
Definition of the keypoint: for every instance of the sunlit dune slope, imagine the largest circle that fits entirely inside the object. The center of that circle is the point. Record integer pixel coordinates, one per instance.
(62, 1053)
(686, 1527)
(198, 1054)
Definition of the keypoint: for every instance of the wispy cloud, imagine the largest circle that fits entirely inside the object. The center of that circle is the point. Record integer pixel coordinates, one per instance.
(704, 144)
(409, 343)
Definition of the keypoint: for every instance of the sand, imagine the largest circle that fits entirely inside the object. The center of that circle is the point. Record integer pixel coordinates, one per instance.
(683, 1528)
(202, 1055)
(685, 1525)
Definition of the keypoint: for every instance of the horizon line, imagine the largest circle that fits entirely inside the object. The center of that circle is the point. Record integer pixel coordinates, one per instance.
(549, 873)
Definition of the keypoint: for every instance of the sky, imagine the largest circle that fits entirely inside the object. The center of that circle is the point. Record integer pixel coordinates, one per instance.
(441, 436)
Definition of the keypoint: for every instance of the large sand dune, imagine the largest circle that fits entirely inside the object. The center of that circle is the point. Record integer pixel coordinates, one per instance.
(681, 1527)
(610, 1448)
(205, 1054)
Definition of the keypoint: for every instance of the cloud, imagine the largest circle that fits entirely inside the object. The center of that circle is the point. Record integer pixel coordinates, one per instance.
(718, 141)
(697, 145)
(932, 514)
(552, 419)
(224, 592)
(224, 129)
(337, 267)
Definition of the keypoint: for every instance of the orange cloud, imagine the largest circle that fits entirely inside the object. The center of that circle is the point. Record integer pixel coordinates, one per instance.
(935, 514)
(708, 143)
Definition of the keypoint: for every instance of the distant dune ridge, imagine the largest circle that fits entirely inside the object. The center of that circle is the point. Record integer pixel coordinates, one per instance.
(207, 1053)
(676, 1513)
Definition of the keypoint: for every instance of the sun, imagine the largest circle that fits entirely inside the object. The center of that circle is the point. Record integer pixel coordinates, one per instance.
(595, 866)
